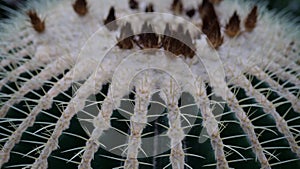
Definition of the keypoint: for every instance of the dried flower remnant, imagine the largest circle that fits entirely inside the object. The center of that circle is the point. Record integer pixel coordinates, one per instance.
(80, 7)
(37, 24)
(233, 26)
(251, 19)
(110, 22)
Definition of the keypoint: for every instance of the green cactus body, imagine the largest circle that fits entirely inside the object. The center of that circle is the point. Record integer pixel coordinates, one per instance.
(149, 84)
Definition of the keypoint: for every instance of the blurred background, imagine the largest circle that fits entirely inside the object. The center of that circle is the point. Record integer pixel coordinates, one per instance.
(291, 5)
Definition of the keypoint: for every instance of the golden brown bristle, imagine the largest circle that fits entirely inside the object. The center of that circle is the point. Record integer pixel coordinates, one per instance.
(126, 37)
(37, 24)
(80, 7)
(207, 24)
(233, 26)
(166, 35)
(189, 48)
(148, 38)
(149, 8)
(207, 10)
(177, 6)
(172, 45)
(173, 41)
(110, 22)
(178, 43)
(251, 19)
(133, 4)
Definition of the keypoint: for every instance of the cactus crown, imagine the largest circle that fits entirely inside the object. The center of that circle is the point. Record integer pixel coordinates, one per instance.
(149, 84)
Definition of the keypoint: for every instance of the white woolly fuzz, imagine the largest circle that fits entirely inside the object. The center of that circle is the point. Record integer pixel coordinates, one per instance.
(49, 47)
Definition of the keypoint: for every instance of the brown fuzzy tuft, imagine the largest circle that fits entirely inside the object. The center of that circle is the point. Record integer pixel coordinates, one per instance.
(173, 41)
(213, 33)
(251, 19)
(149, 8)
(233, 26)
(37, 24)
(177, 7)
(178, 43)
(207, 10)
(126, 37)
(210, 24)
(189, 48)
(148, 38)
(110, 22)
(133, 4)
(80, 7)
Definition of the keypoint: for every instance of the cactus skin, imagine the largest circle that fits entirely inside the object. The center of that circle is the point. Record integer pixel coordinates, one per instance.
(40, 128)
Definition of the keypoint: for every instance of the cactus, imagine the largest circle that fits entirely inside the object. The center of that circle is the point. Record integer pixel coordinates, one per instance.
(149, 84)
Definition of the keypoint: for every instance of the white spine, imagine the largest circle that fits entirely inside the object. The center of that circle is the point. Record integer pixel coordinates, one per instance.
(45, 102)
(248, 128)
(269, 108)
(261, 75)
(283, 74)
(74, 106)
(52, 70)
